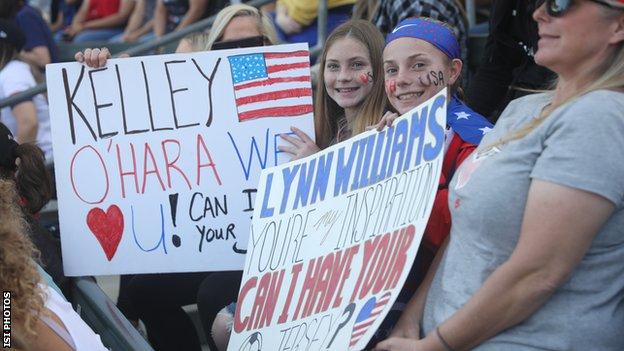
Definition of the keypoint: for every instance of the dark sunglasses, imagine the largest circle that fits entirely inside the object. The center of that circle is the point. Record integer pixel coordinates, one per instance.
(558, 8)
(249, 42)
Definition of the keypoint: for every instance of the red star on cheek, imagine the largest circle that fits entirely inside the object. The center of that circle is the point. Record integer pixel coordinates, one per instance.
(391, 85)
(457, 203)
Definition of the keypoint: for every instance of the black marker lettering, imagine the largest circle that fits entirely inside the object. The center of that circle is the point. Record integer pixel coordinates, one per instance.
(172, 93)
(210, 80)
(71, 104)
(98, 107)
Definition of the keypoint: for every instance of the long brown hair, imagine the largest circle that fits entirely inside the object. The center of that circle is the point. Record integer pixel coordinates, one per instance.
(326, 111)
(18, 272)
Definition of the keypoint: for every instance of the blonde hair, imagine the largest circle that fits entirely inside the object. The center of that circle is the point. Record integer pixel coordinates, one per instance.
(197, 40)
(609, 76)
(18, 272)
(326, 111)
(265, 26)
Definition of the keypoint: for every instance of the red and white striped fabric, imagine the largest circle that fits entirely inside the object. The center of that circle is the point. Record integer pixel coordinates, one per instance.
(272, 84)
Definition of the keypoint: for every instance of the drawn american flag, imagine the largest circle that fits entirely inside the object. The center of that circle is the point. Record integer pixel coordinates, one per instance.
(367, 316)
(272, 84)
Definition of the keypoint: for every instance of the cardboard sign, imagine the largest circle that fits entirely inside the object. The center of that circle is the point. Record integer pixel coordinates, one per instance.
(334, 236)
(157, 158)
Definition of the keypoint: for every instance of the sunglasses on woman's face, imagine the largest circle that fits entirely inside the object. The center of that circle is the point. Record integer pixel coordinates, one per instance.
(558, 8)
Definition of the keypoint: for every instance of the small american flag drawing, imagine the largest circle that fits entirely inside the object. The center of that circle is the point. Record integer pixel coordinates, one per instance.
(272, 84)
(367, 316)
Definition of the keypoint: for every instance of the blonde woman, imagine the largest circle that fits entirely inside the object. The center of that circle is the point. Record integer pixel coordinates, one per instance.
(41, 319)
(535, 258)
(241, 21)
(234, 26)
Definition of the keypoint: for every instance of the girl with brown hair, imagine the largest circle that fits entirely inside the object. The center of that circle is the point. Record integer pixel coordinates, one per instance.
(350, 92)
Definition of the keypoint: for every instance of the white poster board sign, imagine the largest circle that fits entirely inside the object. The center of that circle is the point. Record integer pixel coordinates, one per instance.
(334, 236)
(157, 158)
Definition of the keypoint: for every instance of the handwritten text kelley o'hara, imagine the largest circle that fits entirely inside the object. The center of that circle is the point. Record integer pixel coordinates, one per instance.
(6, 319)
(383, 262)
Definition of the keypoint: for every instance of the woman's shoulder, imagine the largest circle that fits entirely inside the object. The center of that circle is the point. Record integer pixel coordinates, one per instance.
(15, 69)
(600, 99)
(529, 101)
(599, 106)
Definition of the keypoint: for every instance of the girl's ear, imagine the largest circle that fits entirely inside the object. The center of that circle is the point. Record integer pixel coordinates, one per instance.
(455, 71)
(618, 33)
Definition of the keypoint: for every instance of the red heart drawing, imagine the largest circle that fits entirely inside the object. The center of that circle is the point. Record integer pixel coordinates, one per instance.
(107, 227)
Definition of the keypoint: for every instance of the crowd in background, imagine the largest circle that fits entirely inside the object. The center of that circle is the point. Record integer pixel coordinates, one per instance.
(524, 249)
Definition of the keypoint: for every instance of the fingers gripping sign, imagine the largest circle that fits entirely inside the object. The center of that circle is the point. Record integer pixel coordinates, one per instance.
(387, 120)
(94, 58)
(300, 146)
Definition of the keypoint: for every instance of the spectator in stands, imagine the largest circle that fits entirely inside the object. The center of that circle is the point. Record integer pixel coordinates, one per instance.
(296, 19)
(422, 57)
(349, 94)
(141, 24)
(41, 319)
(508, 69)
(39, 48)
(29, 120)
(172, 15)
(391, 12)
(536, 258)
(63, 12)
(241, 21)
(99, 20)
(23, 164)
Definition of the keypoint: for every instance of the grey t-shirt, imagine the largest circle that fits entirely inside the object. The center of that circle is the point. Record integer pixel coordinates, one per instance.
(580, 145)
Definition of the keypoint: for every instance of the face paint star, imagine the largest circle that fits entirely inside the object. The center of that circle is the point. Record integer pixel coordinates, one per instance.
(462, 115)
(485, 130)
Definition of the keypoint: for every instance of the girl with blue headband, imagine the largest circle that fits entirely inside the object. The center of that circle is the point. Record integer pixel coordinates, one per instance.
(422, 57)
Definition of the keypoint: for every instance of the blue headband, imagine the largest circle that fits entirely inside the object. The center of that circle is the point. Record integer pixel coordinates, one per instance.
(434, 33)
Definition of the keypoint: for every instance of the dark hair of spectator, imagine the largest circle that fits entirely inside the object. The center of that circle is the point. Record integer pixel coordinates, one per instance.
(10, 8)
(31, 177)
(8, 52)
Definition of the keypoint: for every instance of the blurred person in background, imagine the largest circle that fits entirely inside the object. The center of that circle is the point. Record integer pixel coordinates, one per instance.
(99, 20)
(508, 69)
(140, 25)
(39, 47)
(391, 12)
